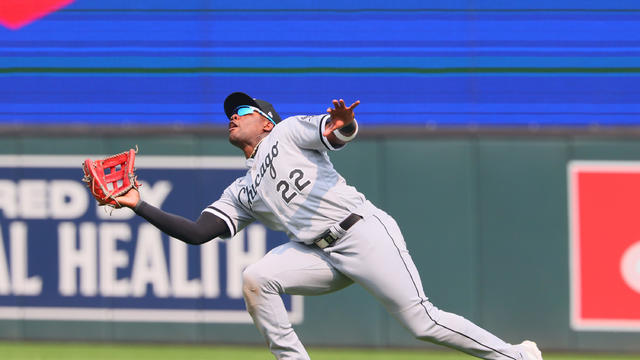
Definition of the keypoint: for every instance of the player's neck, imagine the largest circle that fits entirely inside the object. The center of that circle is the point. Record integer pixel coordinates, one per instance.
(251, 149)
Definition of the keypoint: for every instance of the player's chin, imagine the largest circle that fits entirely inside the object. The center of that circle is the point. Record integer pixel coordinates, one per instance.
(234, 140)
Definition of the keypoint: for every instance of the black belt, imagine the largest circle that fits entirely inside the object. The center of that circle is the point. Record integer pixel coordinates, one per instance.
(327, 238)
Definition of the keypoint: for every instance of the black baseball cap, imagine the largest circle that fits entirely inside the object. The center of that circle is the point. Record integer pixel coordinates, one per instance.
(236, 99)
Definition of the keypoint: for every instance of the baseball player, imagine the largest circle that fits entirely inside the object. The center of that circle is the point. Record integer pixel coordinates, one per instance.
(337, 236)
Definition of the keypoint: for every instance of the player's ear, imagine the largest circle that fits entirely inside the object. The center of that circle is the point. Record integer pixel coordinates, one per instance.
(268, 126)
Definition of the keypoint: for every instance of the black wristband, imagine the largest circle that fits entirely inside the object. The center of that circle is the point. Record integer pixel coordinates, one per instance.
(348, 129)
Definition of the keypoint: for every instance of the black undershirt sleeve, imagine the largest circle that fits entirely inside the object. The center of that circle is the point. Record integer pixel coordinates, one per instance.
(207, 227)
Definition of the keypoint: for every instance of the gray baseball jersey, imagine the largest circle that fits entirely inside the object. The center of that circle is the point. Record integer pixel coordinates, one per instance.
(291, 185)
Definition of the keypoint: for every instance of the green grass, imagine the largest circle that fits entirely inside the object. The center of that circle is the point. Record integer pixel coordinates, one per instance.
(66, 351)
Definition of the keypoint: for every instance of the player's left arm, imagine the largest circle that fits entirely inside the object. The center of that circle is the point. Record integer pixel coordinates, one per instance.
(342, 127)
(207, 227)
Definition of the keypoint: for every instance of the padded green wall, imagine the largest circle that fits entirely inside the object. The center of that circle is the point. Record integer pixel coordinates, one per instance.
(485, 218)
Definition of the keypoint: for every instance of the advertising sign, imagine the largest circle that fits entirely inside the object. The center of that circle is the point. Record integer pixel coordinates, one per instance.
(604, 212)
(64, 258)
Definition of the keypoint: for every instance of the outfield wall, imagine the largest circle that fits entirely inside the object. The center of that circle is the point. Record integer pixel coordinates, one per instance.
(486, 219)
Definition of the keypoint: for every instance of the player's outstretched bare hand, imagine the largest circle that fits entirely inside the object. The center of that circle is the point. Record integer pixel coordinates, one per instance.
(341, 115)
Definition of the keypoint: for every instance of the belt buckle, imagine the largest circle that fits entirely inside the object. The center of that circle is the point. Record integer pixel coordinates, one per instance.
(325, 239)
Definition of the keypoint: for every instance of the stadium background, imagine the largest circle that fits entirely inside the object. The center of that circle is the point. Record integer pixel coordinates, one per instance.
(470, 114)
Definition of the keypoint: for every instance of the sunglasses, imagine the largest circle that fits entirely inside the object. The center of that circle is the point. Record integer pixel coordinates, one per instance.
(246, 110)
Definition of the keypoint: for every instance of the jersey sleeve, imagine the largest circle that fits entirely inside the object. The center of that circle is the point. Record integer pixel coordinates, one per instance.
(307, 132)
(229, 209)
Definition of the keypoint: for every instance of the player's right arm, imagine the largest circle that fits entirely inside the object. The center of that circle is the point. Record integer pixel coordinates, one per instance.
(324, 132)
(207, 227)
(342, 127)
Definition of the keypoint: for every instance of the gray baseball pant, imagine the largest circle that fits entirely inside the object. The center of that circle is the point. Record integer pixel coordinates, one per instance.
(373, 254)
